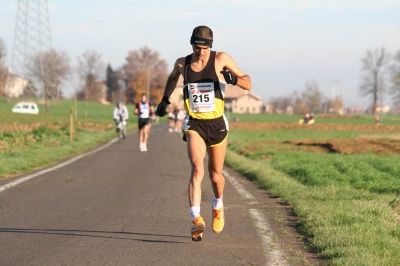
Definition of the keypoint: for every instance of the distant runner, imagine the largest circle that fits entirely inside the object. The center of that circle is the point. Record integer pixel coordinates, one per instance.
(171, 119)
(179, 117)
(205, 125)
(143, 110)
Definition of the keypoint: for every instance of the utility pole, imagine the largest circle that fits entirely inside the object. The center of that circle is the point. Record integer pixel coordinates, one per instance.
(148, 84)
(31, 37)
(333, 89)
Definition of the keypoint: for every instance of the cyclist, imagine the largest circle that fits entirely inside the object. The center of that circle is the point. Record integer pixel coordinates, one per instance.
(120, 115)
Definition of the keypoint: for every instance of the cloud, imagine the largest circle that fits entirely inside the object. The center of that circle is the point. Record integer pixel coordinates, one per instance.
(79, 29)
(302, 4)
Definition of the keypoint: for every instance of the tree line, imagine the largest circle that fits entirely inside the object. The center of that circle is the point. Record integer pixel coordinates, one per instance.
(146, 72)
(143, 72)
(375, 66)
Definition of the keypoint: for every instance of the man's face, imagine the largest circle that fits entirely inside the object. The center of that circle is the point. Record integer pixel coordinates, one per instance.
(200, 51)
(144, 98)
(119, 105)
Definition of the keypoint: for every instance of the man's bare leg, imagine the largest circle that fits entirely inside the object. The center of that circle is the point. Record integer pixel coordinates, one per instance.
(196, 150)
(145, 133)
(144, 136)
(216, 158)
(141, 135)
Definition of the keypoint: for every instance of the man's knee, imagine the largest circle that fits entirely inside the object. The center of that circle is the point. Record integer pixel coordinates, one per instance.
(216, 176)
(198, 171)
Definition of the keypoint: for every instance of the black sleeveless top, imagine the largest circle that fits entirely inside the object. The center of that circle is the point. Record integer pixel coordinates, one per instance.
(207, 75)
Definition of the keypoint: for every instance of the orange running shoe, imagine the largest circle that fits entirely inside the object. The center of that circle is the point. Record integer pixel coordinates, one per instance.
(218, 221)
(198, 228)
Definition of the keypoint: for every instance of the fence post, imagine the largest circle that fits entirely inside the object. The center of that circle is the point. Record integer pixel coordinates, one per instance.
(71, 124)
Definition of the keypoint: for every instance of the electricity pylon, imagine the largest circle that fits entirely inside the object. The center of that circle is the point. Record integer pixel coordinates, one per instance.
(31, 37)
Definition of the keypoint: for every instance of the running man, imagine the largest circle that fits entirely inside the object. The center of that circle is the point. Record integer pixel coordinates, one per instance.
(143, 110)
(171, 119)
(205, 74)
(180, 116)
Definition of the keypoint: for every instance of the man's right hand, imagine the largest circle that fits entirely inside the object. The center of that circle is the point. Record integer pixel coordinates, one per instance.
(162, 107)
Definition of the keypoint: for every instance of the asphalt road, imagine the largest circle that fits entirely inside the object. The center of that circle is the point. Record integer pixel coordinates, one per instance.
(120, 206)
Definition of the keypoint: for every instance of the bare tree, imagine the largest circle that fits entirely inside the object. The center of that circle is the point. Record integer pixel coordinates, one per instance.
(312, 96)
(337, 104)
(372, 65)
(91, 69)
(3, 54)
(50, 68)
(395, 79)
(113, 85)
(3, 69)
(281, 104)
(143, 68)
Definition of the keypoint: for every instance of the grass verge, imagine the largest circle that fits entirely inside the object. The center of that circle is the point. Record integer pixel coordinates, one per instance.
(345, 226)
(31, 142)
(22, 160)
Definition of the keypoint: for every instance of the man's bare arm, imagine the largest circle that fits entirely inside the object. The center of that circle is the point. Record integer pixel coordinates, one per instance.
(244, 82)
(173, 78)
(227, 62)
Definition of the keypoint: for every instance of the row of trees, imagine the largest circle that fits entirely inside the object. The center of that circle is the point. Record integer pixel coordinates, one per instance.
(143, 72)
(376, 65)
(310, 100)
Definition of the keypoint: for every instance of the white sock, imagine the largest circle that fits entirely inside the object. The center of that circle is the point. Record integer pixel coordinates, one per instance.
(195, 211)
(217, 203)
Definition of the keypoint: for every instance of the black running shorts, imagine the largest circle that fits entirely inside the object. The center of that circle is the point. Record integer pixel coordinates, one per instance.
(212, 131)
(143, 122)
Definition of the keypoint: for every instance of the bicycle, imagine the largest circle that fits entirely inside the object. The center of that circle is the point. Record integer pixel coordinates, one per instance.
(121, 129)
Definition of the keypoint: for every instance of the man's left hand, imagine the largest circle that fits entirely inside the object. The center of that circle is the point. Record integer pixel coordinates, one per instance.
(229, 77)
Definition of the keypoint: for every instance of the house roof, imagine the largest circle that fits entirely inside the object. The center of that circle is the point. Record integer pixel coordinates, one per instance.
(235, 92)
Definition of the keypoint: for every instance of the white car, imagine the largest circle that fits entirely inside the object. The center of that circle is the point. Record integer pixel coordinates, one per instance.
(26, 108)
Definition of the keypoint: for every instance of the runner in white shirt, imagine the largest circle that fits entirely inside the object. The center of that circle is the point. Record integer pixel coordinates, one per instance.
(143, 110)
(180, 116)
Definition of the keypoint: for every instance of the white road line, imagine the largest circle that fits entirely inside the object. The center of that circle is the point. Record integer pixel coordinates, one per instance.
(26, 178)
(239, 188)
(273, 255)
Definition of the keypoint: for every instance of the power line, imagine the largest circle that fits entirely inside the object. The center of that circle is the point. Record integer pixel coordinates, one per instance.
(31, 37)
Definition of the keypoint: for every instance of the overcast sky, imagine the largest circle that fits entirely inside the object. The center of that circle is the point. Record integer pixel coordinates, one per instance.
(280, 44)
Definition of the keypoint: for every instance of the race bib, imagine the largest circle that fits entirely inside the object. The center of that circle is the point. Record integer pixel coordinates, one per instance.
(201, 96)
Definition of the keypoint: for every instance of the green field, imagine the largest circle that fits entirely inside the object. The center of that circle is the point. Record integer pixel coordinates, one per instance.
(282, 118)
(348, 204)
(59, 112)
(29, 142)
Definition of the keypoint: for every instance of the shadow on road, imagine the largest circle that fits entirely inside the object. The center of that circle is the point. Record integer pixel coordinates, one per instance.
(90, 233)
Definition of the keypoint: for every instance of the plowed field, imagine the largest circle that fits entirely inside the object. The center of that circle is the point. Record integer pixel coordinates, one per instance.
(272, 126)
(378, 144)
(17, 127)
